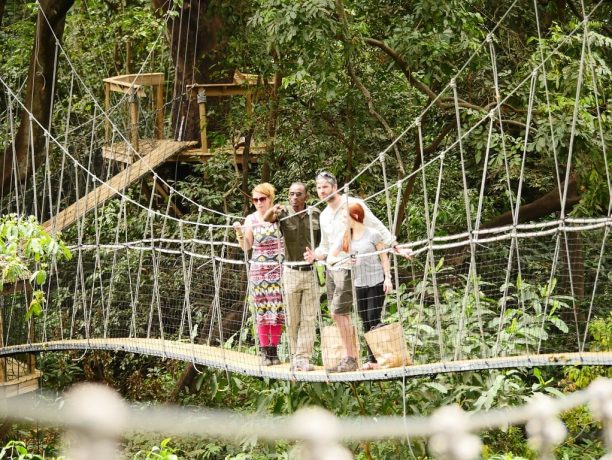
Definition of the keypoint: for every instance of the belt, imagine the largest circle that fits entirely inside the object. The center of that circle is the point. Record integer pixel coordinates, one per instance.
(302, 268)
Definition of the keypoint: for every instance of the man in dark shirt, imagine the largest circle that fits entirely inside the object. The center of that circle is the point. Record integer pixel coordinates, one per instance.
(299, 225)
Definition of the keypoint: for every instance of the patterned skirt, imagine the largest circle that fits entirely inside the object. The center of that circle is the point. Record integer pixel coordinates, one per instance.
(266, 293)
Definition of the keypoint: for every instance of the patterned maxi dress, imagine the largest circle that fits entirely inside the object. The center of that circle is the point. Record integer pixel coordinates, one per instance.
(265, 272)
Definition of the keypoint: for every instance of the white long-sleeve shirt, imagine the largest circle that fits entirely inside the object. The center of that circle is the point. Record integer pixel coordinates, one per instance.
(334, 222)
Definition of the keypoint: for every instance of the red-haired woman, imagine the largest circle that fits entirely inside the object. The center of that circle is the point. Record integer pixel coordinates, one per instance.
(371, 273)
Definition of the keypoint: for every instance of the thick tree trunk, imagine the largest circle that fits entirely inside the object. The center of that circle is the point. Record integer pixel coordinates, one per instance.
(2, 5)
(546, 204)
(272, 123)
(571, 262)
(38, 96)
(198, 43)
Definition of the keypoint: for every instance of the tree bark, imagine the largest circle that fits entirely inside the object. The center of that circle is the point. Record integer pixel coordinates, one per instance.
(546, 204)
(272, 124)
(2, 5)
(198, 43)
(38, 96)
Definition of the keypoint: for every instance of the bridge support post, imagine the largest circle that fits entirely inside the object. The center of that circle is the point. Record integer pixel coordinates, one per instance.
(202, 111)
(134, 119)
(159, 111)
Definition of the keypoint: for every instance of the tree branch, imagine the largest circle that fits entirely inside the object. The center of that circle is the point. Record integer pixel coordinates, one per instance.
(546, 204)
(443, 103)
(401, 215)
(579, 15)
(366, 93)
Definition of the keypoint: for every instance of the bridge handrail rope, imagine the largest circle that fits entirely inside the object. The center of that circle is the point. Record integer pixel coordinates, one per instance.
(526, 230)
(93, 411)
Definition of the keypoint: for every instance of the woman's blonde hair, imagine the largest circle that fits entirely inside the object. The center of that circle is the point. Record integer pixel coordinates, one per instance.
(265, 189)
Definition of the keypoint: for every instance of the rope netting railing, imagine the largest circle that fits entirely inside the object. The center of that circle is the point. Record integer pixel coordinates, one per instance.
(192, 299)
(96, 419)
(144, 278)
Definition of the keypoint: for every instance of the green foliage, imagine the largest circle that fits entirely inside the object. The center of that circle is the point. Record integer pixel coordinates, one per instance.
(26, 250)
(17, 450)
(324, 122)
(601, 340)
(162, 452)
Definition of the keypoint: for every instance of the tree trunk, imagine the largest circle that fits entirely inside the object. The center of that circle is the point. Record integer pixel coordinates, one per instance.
(546, 204)
(537, 209)
(198, 43)
(272, 124)
(38, 95)
(2, 5)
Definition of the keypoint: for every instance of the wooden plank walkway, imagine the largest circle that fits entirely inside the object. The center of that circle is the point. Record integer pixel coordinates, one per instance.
(246, 363)
(164, 150)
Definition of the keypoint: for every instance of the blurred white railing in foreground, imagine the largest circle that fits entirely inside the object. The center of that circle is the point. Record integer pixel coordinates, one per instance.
(95, 419)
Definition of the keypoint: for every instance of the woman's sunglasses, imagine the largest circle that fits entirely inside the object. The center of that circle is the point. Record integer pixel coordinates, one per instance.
(261, 199)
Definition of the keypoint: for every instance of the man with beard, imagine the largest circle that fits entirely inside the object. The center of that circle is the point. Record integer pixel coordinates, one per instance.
(333, 221)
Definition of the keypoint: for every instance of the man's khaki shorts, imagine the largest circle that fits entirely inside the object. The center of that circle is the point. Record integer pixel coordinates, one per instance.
(339, 291)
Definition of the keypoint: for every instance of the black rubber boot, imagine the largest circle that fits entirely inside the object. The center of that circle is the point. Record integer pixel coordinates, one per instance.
(265, 357)
(273, 355)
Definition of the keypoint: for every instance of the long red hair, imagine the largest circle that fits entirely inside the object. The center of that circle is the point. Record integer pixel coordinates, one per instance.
(355, 210)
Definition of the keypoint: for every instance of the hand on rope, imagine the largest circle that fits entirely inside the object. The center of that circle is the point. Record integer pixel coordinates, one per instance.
(309, 255)
(407, 253)
(239, 232)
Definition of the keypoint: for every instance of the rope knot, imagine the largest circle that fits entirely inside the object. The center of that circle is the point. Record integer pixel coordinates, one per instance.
(453, 83)
(601, 399)
(489, 38)
(381, 157)
(451, 439)
(545, 430)
(417, 121)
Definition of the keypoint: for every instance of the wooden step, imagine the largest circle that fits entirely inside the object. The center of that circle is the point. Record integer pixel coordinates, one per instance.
(163, 149)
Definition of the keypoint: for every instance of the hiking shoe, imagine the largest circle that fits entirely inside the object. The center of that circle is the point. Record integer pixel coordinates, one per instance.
(273, 356)
(302, 365)
(346, 364)
(349, 365)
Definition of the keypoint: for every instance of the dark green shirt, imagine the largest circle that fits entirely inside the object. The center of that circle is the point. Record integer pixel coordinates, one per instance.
(296, 231)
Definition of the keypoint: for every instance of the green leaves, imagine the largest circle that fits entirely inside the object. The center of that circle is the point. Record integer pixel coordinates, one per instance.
(26, 250)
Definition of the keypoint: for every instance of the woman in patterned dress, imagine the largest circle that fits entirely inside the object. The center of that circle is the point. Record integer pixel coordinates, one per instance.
(265, 271)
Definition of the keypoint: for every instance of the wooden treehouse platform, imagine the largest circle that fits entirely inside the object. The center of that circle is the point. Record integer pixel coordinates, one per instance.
(123, 152)
(17, 378)
(143, 155)
(245, 85)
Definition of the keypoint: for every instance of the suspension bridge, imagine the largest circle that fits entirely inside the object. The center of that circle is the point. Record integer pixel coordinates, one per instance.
(472, 297)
